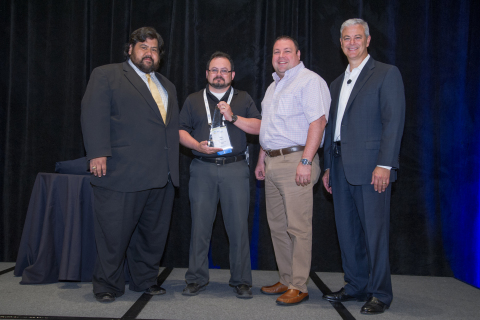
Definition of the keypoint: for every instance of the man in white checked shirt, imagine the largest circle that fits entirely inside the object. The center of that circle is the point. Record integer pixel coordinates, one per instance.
(294, 114)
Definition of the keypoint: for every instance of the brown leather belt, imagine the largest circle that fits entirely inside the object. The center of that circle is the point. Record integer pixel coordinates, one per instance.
(284, 151)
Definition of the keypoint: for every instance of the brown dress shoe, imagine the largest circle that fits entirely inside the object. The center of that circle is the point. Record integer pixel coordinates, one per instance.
(277, 288)
(292, 297)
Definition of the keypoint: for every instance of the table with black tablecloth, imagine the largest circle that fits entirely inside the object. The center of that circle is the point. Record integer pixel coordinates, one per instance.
(58, 240)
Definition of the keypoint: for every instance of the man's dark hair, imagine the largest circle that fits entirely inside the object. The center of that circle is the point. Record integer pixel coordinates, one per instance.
(219, 54)
(288, 38)
(141, 35)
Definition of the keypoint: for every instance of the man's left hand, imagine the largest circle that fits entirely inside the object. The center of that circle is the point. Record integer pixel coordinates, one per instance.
(98, 166)
(303, 175)
(225, 110)
(380, 179)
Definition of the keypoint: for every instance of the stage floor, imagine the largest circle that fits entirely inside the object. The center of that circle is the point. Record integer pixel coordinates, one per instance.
(414, 298)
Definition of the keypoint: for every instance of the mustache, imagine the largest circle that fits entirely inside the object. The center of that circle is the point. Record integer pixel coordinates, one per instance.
(218, 77)
(147, 57)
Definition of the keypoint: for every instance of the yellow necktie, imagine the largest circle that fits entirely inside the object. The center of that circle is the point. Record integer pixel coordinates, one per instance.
(157, 98)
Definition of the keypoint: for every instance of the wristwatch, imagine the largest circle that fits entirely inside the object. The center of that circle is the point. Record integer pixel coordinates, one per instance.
(234, 118)
(306, 162)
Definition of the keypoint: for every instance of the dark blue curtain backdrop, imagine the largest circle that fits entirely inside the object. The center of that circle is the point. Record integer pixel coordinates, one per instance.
(443, 121)
(452, 106)
(49, 49)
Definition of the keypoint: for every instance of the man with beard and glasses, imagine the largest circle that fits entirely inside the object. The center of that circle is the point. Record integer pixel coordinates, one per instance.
(130, 130)
(213, 123)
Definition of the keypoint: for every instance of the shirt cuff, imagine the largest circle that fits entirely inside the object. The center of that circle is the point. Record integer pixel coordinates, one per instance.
(386, 167)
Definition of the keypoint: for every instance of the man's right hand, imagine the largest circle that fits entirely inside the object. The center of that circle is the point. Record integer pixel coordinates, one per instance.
(204, 148)
(260, 170)
(98, 166)
(325, 178)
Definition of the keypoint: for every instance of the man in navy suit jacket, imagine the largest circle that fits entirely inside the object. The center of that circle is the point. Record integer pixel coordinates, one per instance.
(362, 146)
(130, 130)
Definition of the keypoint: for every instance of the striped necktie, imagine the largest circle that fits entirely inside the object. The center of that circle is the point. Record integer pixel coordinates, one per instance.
(157, 98)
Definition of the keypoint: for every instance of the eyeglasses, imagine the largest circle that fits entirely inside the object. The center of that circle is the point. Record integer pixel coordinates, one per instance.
(223, 72)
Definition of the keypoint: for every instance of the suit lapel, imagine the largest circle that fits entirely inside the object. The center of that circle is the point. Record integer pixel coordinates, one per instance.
(169, 105)
(367, 71)
(138, 83)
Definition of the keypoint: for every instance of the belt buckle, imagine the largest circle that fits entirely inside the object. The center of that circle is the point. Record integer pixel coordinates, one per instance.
(267, 152)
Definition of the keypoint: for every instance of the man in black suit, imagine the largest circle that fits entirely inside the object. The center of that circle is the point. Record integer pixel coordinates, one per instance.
(130, 130)
(362, 146)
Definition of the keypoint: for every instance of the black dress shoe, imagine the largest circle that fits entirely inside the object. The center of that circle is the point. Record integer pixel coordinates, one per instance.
(373, 306)
(243, 291)
(105, 297)
(155, 290)
(341, 296)
(192, 289)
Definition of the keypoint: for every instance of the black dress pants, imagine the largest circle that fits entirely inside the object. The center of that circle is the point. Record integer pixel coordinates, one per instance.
(132, 225)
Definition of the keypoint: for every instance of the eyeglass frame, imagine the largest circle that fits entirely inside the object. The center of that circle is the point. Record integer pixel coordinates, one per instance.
(222, 72)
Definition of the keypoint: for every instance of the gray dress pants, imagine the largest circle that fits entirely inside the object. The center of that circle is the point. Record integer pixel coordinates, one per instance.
(228, 183)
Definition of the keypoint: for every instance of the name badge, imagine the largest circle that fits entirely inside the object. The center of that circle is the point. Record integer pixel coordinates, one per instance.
(219, 137)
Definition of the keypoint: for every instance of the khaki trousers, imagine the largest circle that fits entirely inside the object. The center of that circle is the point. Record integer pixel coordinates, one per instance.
(289, 214)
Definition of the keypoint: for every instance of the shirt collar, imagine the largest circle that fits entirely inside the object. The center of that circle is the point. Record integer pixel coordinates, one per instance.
(225, 95)
(289, 73)
(138, 71)
(360, 67)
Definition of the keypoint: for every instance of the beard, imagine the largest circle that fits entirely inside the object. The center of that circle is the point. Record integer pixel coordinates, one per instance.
(140, 64)
(220, 84)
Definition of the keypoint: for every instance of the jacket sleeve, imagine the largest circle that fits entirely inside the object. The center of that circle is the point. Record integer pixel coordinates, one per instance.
(327, 146)
(392, 104)
(95, 116)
